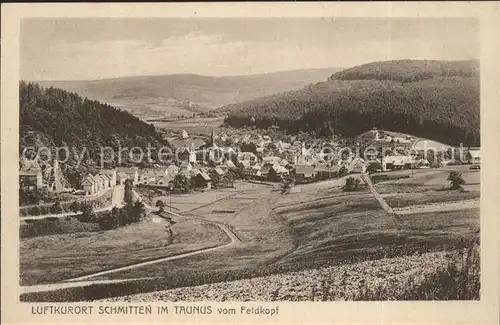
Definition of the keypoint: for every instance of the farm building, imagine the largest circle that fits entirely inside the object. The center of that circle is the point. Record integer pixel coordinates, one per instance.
(324, 171)
(89, 185)
(304, 173)
(132, 173)
(112, 175)
(397, 162)
(30, 178)
(121, 177)
(202, 180)
(474, 156)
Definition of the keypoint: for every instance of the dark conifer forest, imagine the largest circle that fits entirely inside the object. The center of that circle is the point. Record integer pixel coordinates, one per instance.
(438, 100)
(54, 118)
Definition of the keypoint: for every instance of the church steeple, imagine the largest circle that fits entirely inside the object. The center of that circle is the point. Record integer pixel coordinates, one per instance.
(212, 139)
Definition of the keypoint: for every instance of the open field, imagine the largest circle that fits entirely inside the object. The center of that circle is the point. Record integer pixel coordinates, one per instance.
(341, 227)
(197, 125)
(319, 226)
(295, 231)
(429, 197)
(57, 257)
(192, 201)
(263, 237)
(429, 179)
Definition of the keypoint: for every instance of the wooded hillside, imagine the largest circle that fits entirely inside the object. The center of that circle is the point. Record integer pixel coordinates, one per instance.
(434, 106)
(53, 118)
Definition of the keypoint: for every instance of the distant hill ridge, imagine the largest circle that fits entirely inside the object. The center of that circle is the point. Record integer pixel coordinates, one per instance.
(188, 93)
(438, 100)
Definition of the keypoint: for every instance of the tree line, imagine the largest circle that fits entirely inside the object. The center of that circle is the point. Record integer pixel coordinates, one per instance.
(441, 109)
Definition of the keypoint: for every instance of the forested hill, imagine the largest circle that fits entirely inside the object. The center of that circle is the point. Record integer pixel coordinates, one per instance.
(409, 70)
(51, 117)
(438, 100)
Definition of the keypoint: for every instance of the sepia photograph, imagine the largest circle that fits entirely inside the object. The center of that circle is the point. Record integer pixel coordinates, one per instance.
(172, 165)
(249, 159)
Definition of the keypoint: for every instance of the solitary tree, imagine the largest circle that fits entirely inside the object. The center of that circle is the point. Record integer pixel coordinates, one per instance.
(181, 183)
(373, 167)
(128, 196)
(138, 211)
(35, 211)
(456, 180)
(160, 204)
(286, 185)
(87, 211)
(74, 207)
(351, 184)
(56, 208)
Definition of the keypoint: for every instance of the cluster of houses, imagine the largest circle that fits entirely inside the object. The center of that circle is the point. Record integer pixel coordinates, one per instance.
(161, 176)
(380, 135)
(32, 176)
(212, 161)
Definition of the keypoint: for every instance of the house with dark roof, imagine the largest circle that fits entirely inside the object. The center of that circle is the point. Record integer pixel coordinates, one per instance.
(325, 171)
(304, 173)
(202, 180)
(111, 173)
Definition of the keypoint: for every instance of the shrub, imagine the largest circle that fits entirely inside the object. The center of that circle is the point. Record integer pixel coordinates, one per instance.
(35, 211)
(373, 167)
(74, 207)
(456, 180)
(161, 205)
(87, 212)
(351, 184)
(56, 208)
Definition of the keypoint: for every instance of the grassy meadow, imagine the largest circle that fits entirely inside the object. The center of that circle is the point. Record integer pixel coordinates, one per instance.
(54, 258)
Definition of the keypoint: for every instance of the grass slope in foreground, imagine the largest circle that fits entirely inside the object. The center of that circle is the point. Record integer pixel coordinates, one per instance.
(295, 232)
(54, 258)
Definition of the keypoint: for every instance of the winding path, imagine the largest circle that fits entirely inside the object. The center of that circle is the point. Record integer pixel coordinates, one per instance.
(83, 281)
(377, 195)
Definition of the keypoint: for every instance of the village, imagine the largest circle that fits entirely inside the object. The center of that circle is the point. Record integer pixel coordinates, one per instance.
(215, 164)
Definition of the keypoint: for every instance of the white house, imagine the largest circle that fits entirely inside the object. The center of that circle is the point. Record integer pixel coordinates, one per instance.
(474, 156)
(89, 185)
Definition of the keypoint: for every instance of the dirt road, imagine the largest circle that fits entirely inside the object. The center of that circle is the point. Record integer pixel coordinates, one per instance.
(377, 196)
(83, 281)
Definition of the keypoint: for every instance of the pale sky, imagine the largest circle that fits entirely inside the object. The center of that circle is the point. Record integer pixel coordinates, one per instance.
(88, 49)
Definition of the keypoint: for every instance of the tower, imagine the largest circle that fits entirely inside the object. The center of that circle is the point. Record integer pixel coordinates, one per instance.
(212, 139)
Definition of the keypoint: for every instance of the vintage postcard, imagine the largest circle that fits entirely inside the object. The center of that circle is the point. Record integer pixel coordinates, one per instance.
(250, 163)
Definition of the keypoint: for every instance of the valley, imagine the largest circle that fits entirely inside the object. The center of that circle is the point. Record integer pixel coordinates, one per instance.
(276, 218)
